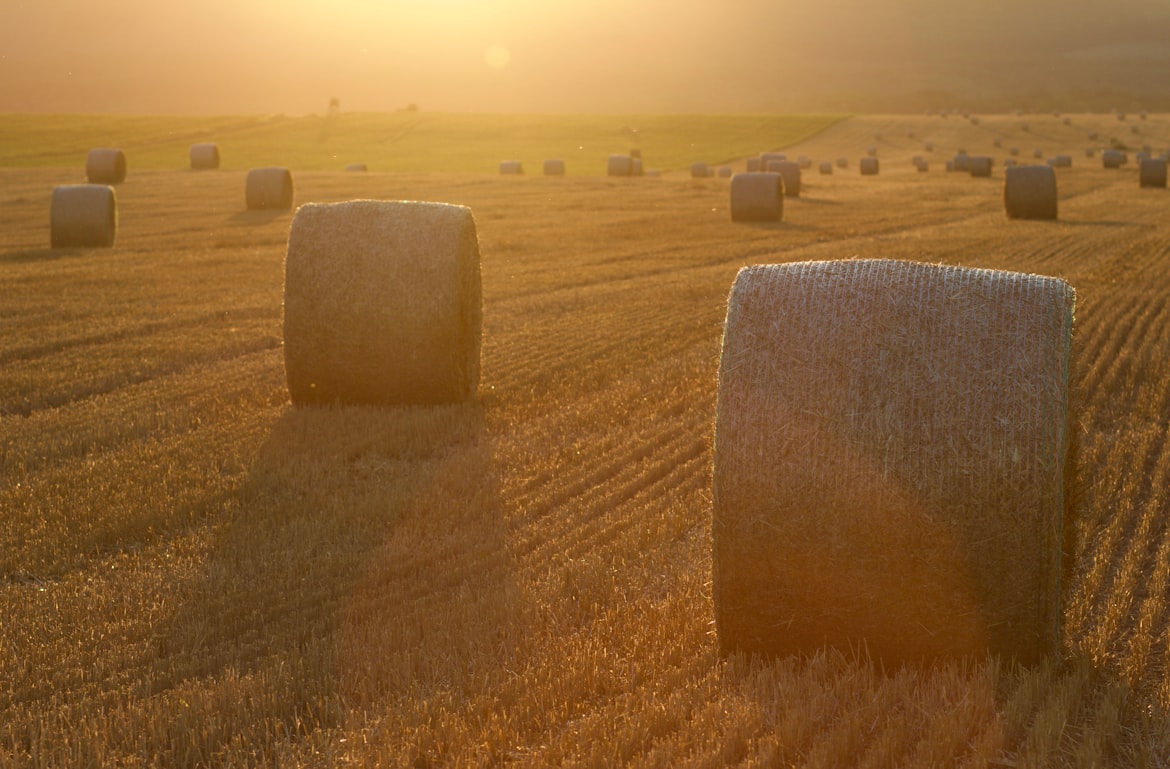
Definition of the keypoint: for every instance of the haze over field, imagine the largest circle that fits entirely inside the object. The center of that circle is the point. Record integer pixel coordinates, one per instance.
(258, 56)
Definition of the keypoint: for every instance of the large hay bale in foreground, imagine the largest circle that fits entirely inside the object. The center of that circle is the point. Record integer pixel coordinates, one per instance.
(619, 165)
(890, 444)
(105, 165)
(869, 166)
(269, 188)
(757, 197)
(83, 216)
(1029, 192)
(204, 156)
(382, 303)
(1152, 173)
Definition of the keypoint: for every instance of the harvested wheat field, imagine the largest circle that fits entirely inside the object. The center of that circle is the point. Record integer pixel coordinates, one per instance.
(195, 573)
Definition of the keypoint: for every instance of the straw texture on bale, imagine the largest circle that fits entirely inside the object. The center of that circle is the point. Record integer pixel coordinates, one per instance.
(869, 166)
(790, 172)
(979, 166)
(382, 303)
(1152, 173)
(269, 188)
(1112, 158)
(83, 216)
(105, 166)
(1029, 192)
(757, 197)
(511, 167)
(357, 168)
(890, 444)
(204, 156)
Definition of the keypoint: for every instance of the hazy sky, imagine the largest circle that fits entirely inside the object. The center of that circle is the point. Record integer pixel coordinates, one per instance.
(260, 56)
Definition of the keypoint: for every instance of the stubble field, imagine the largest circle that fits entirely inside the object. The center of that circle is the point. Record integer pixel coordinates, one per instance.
(192, 572)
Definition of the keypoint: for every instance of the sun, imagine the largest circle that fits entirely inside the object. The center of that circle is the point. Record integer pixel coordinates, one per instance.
(497, 56)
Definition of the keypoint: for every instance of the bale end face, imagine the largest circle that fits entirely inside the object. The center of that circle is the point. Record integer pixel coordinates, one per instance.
(1029, 192)
(382, 303)
(83, 216)
(269, 188)
(1152, 173)
(757, 197)
(204, 157)
(841, 518)
(619, 165)
(869, 166)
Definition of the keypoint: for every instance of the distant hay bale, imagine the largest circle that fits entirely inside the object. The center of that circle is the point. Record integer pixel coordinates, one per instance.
(804, 161)
(1090, 152)
(923, 165)
(842, 162)
(1029, 192)
(869, 166)
(962, 163)
(269, 188)
(83, 216)
(700, 170)
(950, 166)
(1112, 158)
(511, 168)
(825, 167)
(723, 172)
(979, 166)
(1014, 151)
(105, 165)
(382, 303)
(554, 167)
(757, 197)
(1038, 153)
(929, 146)
(1152, 173)
(204, 156)
(1060, 161)
(636, 153)
(871, 151)
(1067, 121)
(357, 168)
(1135, 129)
(1093, 136)
(889, 461)
(753, 165)
(1139, 157)
(1009, 162)
(1121, 116)
(790, 172)
(997, 142)
(770, 157)
(619, 165)
(636, 167)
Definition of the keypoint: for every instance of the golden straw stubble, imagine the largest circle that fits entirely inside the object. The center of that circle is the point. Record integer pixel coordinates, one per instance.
(889, 460)
(382, 303)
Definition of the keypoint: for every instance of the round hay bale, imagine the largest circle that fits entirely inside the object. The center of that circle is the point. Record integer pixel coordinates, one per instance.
(790, 172)
(1060, 161)
(962, 163)
(950, 166)
(979, 166)
(871, 151)
(1112, 158)
(869, 166)
(923, 165)
(83, 216)
(619, 165)
(846, 511)
(1139, 157)
(554, 167)
(1152, 173)
(1014, 151)
(804, 161)
(1093, 136)
(757, 197)
(1090, 152)
(770, 157)
(636, 167)
(753, 165)
(997, 142)
(105, 166)
(724, 172)
(826, 168)
(382, 303)
(1067, 121)
(636, 153)
(1010, 162)
(1038, 153)
(269, 188)
(929, 146)
(204, 156)
(1029, 192)
(357, 168)
(511, 168)
(700, 170)
(842, 162)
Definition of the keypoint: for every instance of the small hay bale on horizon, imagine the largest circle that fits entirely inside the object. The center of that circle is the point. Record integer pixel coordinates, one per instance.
(268, 188)
(554, 167)
(204, 156)
(511, 168)
(826, 168)
(979, 166)
(842, 515)
(723, 172)
(700, 170)
(105, 165)
(1029, 192)
(83, 216)
(757, 197)
(1060, 161)
(357, 168)
(753, 164)
(619, 165)
(1152, 173)
(1112, 159)
(382, 303)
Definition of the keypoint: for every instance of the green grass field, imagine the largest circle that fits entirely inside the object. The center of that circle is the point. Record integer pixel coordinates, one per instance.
(402, 141)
